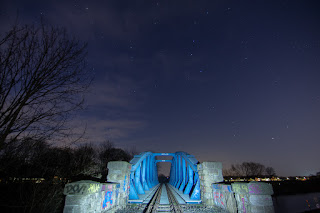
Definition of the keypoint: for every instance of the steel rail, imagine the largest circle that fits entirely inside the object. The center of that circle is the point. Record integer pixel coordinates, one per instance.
(154, 202)
(173, 201)
(155, 206)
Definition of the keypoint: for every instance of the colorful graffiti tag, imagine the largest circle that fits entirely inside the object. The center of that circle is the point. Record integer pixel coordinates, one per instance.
(240, 188)
(93, 188)
(124, 183)
(107, 201)
(218, 199)
(243, 205)
(254, 189)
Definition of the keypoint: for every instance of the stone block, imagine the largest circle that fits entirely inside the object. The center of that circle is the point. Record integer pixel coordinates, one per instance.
(216, 186)
(261, 200)
(119, 171)
(74, 200)
(113, 176)
(262, 209)
(223, 197)
(230, 202)
(243, 203)
(259, 188)
(240, 188)
(72, 209)
(212, 176)
(119, 166)
(208, 202)
(110, 196)
(253, 197)
(226, 188)
(209, 165)
(109, 186)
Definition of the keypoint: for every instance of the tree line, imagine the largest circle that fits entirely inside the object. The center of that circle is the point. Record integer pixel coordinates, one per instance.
(34, 158)
(30, 158)
(249, 169)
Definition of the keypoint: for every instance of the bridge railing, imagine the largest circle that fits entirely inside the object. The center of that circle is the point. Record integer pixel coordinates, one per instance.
(184, 174)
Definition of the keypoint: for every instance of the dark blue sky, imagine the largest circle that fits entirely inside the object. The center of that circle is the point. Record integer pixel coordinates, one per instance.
(227, 81)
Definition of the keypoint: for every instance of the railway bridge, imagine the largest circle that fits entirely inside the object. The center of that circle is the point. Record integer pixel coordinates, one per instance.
(192, 187)
(183, 175)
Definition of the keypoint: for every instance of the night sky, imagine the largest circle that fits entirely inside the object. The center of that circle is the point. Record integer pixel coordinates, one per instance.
(227, 81)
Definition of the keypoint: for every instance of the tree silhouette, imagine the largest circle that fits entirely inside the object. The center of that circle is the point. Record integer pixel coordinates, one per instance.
(249, 169)
(42, 80)
(270, 171)
(107, 153)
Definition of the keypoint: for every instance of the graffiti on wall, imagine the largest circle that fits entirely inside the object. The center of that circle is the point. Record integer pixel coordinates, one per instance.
(243, 202)
(254, 189)
(107, 200)
(82, 188)
(240, 188)
(124, 183)
(93, 188)
(226, 188)
(218, 199)
(243, 205)
(75, 188)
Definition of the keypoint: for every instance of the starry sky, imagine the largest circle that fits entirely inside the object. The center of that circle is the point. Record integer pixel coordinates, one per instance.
(224, 80)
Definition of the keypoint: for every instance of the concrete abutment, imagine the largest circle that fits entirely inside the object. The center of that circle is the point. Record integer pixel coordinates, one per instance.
(92, 197)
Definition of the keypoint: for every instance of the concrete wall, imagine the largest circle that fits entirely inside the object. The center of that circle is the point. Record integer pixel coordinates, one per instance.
(253, 197)
(119, 172)
(209, 172)
(223, 197)
(90, 196)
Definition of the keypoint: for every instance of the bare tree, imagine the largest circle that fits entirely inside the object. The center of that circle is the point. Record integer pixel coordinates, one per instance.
(42, 80)
(85, 161)
(227, 172)
(248, 169)
(270, 171)
(107, 153)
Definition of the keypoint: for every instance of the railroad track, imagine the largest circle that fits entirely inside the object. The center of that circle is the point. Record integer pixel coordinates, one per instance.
(155, 206)
(173, 201)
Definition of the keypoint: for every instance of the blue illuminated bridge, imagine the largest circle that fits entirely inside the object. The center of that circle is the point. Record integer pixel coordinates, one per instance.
(184, 183)
(193, 187)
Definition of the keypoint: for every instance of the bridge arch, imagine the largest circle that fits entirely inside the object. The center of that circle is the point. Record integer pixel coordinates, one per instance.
(183, 174)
